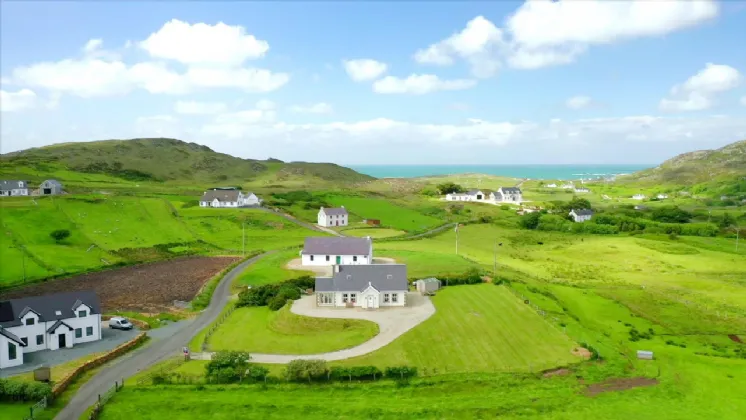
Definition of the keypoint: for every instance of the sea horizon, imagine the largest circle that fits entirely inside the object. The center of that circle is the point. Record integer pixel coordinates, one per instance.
(531, 171)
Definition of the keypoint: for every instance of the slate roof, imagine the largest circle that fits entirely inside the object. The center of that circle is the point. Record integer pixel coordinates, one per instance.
(511, 190)
(583, 212)
(12, 184)
(336, 245)
(53, 182)
(47, 306)
(497, 194)
(356, 278)
(56, 325)
(334, 211)
(221, 195)
(11, 336)
(475, 192)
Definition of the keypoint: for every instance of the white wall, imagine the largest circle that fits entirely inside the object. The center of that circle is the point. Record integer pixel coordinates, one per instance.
(361, 300)
(91, 320)
(331, 220)
(5, 361)
(346, 259)
(30, 332)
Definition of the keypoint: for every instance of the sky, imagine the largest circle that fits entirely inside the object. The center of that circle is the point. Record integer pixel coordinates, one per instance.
(554, 82)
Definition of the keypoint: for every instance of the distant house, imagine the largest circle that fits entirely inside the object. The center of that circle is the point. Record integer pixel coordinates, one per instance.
(581, 215)
(662, 196)
(336, 216)
(568, 186)
(11, 188)
(496, 196)
(638, 197)
(640, 207)
(552, 185)
(337, 250)
(582, 190)
(364, 286)
(510, 194)
(458, 197)
(50, 187)
(471, 195)
(219, 197)
(476, 195)
(49, 322)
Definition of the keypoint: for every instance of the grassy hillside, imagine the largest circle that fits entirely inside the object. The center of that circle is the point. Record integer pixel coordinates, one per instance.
(157, 160)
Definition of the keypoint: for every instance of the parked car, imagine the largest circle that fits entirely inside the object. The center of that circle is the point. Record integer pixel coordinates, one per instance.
(120, 323)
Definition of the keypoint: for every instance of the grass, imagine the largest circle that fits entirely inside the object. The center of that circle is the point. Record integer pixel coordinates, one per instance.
(260, 330)
(373, 232)
(427, 264)
(60, 371)
(477, 328)
(270, 269)
(391, 215)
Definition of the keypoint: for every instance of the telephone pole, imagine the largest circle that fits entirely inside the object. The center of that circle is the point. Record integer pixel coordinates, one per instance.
(457, 238)
(243, 238)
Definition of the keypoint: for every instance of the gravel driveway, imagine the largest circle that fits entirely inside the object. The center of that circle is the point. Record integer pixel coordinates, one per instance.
(392, 323)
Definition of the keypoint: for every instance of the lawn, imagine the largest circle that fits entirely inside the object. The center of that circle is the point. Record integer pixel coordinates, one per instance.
(477, 328)
(270, 269)
(260, 330)
(373, 232)
(390, 215)
(426, 264)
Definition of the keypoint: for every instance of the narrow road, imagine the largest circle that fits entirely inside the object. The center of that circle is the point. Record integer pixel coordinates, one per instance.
(438, 229)
(300, 222)
(153, 353)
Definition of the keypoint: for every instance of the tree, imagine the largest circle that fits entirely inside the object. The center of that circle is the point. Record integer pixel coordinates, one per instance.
(448, 188)
(727, 221)
(299, 370)
(60, 235)
(578, 203)
(228, 366)
(530, 220)
(671, 214)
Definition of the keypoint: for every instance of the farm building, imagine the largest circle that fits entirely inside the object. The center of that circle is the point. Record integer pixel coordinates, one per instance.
(366, 286)
(49, 322)
(471, 195)
(428, 285)
(221, 197)
(662, 196)
(581, 215)
(372, 222)
(337, 250)
(552, 185)
(50, 187)
(582, 190)
(9, 188)
(333, 217)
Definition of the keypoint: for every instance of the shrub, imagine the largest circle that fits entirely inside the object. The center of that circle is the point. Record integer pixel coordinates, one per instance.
(530, 220)
(359, 373)
(262, 295)
(60, 235)
(14, 390)
(228, 366)
(401, 372)
(306, 370)
(276, 303)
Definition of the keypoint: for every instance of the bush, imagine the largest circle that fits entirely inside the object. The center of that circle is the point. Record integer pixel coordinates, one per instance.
(530, 220)
(401, 372)
(306, 370)
(276, 303)
(60, 235)
(358, 373)
(228, 366)
(14, 390)
(262, 295)
(472, 276)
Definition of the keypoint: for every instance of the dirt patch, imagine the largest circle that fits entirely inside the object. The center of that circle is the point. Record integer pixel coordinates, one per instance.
(582, 352)
(735, 338)
(556, 372)
(148, 287)
(619, 384)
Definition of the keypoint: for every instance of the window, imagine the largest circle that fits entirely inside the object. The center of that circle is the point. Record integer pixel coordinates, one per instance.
(327, 258)
(25, 341)
(88, 331)
(353, 297)
(344, 298)
(40, 339)
(311, 257)
(326, 298)
(394, 297)
(386, 297)
(78, 332)
(354, 258)
(82, 314)
(11, 351)
(30, 321)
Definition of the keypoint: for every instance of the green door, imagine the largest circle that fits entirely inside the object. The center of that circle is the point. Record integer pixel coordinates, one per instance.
(339, 260)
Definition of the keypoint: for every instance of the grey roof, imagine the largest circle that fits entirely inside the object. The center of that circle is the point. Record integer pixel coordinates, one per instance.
(56, 325)
(11, 184)
(511, 190)
(53, 182)
(497, 193)
(583, 212)
(429, 280)
(336, 246)
(334, 211)
(47, 307)
(11, 336)
(221, 195)
(474, 192)
(354, 278)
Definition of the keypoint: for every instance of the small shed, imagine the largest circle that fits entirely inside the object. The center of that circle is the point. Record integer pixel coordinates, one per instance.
(429, 285)
(50, 187)
(373, 222)
(644, 355)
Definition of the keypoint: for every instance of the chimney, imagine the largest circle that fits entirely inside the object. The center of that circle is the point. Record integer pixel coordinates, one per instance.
(322, 208)
(336, 269)
(388, 276)
(349, 277)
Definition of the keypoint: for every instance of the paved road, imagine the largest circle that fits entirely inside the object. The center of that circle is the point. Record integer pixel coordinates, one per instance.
(153, 353)
(392, 323)
(300, 222)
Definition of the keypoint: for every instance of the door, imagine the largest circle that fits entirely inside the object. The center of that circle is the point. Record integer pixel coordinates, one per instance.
(61, 341)
(370, 301)
(47, 191)
(339, 260)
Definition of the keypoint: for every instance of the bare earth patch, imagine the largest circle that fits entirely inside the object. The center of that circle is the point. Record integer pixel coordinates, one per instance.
(582, 352)
(735, 338)
(151, 287)
(619, 384)
(556, 372)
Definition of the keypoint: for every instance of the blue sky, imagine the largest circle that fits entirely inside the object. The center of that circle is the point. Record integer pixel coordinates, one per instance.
(375, 82)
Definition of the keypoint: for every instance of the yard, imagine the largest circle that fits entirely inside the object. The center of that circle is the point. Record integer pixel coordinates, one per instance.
(270, 269)
(391, 215)
(260, 330)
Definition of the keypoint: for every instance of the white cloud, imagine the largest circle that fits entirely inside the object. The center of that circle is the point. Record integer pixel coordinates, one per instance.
(364, 69)
(236, 124)
(4, 81)
(199, 108)
(93, 45)
(318, 108)
(743, 100)
(17, 101)
(698, 92)
(579, 102)
(419, 84)
(545, 32)
(460, 106)
(203, 44)
(265, 105)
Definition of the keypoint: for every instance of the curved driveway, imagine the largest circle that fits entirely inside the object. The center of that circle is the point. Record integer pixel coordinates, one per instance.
(153, 353)
(392, 323)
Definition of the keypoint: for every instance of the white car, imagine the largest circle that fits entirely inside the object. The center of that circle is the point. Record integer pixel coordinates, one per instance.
(120, 323)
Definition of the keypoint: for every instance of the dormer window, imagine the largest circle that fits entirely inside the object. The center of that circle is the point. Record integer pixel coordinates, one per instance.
(82, 314)
(58, 313)
(30, 321)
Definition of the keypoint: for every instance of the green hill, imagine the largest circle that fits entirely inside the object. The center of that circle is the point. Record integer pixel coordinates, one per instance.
(159, 160)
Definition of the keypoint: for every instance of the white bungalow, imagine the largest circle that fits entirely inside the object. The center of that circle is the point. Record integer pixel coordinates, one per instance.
(552, 185)
(582, 190)
(638, 197)
(13, 188)
(228, 198)
(662, 196)
(333, 250)
(581, 215)
(364, 286)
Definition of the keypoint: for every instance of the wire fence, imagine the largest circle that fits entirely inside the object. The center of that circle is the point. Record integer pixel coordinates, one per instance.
(103, 399)
(37, 408)
(215, 325)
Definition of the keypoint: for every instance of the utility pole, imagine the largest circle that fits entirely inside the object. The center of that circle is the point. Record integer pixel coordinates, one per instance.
(494, 267)
(738, 232)
(456, 238)
(243, 238)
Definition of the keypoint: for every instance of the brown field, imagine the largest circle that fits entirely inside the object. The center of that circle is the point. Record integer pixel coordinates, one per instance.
(148, 287)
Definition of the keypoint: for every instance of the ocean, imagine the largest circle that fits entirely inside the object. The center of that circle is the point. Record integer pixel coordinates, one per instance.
(514, 171)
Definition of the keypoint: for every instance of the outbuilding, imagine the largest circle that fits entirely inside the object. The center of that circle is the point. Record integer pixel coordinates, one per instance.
(428, 285)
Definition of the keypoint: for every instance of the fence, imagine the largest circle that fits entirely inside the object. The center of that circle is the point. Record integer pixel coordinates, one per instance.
(165, 368)
(103, 399)
(37, 408)
(215, 326)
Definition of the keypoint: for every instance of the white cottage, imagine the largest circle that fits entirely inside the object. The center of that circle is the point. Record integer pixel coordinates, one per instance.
(49, 322)
(12, 188)
(364, 286)
(333, 250)
(334, 216)
(638, 197)
(662, 196)
(552, 185)
(509, 194)
(581, 215)
(228, 198)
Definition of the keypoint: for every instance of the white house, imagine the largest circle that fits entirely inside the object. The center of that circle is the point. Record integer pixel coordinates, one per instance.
(662, 196)
(581, 215)
(10, 188)
(337, 250)
(228, 198)
(471, 195)
(552, 185)
(508, 194)
(569, 186)
(638, 197)
(364, 286)
(50, 187)
(335, 216)
(48, 322)
(582, 190)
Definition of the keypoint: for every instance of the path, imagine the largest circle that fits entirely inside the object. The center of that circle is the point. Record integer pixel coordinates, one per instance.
(438, 229)
(300, 222)
(154, 352)
(392, 323)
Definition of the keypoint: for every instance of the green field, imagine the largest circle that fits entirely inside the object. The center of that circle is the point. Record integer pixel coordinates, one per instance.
(390, 215)
(373, 232)
(270, 269)
(261, 330)
(421, 264)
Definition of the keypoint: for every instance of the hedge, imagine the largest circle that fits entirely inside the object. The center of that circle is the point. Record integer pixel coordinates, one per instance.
(275, 293)
(203, 297)
(15, 390)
